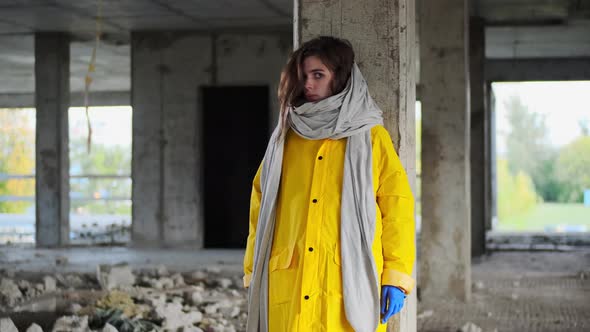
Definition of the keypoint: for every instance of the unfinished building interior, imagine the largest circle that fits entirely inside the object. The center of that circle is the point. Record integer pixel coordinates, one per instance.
(200, 80)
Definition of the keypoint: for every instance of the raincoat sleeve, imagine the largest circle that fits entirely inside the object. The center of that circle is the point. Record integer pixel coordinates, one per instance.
(254, 208)
(396, 202)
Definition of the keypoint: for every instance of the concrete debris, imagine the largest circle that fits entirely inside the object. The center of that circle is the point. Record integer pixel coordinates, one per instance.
(6, 325)
(199, 275)
(225, 283)
(193, 302)
(470, 327)
(479, 285)
(34, 328)
(174, 317)
(10, 294)
(70, 281)
(50, 284)
(178, 280)
(196, 297)
(71, 324)
(213, 269)
(109, 328)
(115, 276)
(514, 296)
(75, 308)
(191, 329)
(162, 271)
(211, 309)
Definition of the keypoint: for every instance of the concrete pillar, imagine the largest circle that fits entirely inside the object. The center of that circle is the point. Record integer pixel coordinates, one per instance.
(52, 100)
(445, 257)
(382, 34)
(479, 161)
(167, 71)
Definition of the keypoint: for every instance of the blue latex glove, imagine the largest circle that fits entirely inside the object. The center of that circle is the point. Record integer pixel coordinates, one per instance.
(392, 301)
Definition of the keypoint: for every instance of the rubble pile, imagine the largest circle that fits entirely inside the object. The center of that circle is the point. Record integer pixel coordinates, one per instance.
(119, 299)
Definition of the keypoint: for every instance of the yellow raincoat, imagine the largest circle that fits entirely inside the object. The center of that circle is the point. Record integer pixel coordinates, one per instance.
(305, 282)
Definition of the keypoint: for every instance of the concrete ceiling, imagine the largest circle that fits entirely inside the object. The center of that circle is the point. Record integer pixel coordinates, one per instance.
(515, 29)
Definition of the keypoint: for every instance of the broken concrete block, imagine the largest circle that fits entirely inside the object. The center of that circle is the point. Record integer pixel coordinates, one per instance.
(9, 292)
(109, 328)
(178, 280)
(196, 298)
(161, 271)
(199, 275)
(50, 284)
(115, 276)
(470, 327)
(6, 325)
(225, 283)
(211, 308)
(174, 318)
(71, 324)
(191, 329)
(34, 328)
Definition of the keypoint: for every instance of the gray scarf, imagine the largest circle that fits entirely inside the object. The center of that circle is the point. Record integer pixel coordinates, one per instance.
(351, 113)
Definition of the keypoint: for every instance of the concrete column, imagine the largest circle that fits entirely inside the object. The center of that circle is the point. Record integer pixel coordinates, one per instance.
(479, 159)
(445, 257)
(52, 100)
(167, 71)
(382, 34)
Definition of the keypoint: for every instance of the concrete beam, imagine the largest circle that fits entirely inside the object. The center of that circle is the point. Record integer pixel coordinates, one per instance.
(445, 266)
(52, 73)
(383, 37)
(96, 98)
(549, 41)
(556, 69)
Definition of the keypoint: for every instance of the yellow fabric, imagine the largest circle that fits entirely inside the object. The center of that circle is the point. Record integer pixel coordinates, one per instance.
(295, 270)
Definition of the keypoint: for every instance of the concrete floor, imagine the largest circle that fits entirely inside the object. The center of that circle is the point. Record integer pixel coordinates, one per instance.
(512, 291)
(26, 258)
(520, 291)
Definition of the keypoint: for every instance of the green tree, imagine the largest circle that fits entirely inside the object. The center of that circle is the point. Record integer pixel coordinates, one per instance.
(517, 193)
(17, 156)
(102, 160)
(528, 148)
(573, 169)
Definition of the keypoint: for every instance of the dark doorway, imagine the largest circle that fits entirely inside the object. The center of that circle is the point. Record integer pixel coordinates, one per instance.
(235, 129)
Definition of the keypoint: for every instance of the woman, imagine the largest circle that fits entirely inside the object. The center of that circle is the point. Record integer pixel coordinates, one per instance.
(331, 242)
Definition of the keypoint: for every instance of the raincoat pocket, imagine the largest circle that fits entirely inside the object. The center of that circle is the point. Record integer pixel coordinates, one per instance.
(282, 276)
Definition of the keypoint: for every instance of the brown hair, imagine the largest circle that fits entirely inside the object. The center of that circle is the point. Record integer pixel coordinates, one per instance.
(335, 53)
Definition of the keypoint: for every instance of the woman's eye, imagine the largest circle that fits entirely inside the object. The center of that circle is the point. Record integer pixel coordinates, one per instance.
(318, 75)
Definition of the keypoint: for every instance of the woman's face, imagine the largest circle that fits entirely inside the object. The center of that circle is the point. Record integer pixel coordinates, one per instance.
(318, 79)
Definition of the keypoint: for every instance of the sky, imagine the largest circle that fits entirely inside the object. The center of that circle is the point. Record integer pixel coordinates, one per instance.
(563, 103)
(110, 125)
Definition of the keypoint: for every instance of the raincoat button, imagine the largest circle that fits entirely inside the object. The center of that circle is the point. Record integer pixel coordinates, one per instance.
(306, 297)
(310, 249)
(320, 157)
(315, 200)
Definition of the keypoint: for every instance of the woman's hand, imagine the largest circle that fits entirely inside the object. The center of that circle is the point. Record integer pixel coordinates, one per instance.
(392, 301)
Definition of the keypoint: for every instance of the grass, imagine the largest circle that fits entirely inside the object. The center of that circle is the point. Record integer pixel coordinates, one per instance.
(546, 216)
